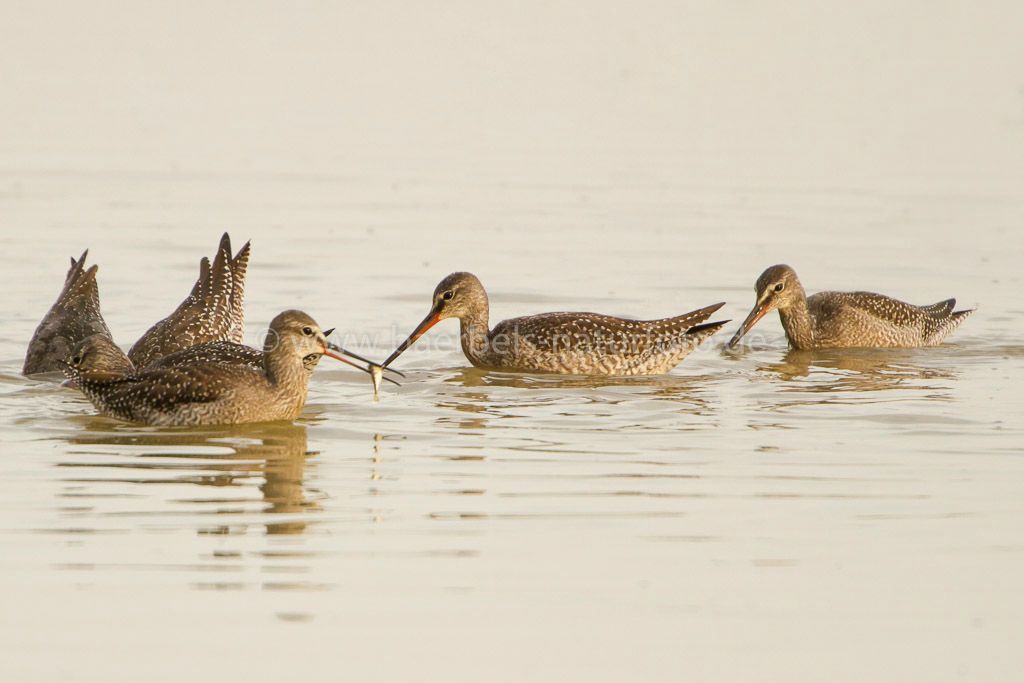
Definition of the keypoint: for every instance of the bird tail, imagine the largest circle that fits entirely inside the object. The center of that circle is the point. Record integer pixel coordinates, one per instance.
(941, 309)
(945, 326)
(705, 330)
(689, 320)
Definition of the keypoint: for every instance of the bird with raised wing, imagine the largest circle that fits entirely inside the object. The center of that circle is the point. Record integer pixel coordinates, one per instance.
(216, 392)
(213, 310)
(73, 317)
(100, 356)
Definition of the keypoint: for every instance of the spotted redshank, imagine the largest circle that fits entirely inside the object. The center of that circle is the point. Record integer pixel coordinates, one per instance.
(847, 319)
(100, 356)
(564, 343)
(73, 317)
(205, 393)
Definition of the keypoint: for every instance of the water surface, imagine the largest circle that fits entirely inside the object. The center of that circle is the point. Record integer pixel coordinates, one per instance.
(759, 514)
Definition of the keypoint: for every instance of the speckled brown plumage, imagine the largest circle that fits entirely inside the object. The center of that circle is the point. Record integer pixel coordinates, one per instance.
(73, 317)
(847, 319)
(215, 392)
(239, 266)
(213, 310)
(98, 354)
(564, 343)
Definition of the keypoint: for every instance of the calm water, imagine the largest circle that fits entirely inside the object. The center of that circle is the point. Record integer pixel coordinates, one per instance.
(753, 515)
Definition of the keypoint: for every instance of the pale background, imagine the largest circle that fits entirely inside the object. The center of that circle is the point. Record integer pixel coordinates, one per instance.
(749, 517)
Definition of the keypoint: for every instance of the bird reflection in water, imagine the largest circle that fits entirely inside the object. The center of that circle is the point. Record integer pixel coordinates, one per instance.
(482, 377)
(862, 370)
(230, 456)
(693, 392)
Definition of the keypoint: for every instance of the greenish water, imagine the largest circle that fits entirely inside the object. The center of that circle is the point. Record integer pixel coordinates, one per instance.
(752, 515)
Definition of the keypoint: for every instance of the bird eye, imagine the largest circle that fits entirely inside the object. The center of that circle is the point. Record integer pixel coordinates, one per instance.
(447, 296)
(307, 330)
(779, 287)
(76, 359)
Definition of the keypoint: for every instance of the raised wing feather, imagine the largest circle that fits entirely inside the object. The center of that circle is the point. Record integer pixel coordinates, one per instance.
(204, 316)
(74, 316)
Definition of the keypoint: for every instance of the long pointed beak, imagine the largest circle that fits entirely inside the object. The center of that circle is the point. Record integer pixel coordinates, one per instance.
(337, 353)
(337, 349)
(432, 319)
(758, 312)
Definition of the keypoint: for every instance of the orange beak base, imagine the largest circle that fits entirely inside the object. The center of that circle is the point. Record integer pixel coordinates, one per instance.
(432, 319)
(759, 311)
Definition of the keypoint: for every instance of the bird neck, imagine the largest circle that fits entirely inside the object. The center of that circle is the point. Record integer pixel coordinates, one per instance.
(284, 368)
(797, 321)
(288, 379)
(475, 335)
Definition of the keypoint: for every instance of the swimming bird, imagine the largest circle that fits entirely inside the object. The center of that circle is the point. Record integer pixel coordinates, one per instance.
(99, 355)
(206, 393)
(565, 343)
(213, 310)
(847, 319)
(73, 317)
